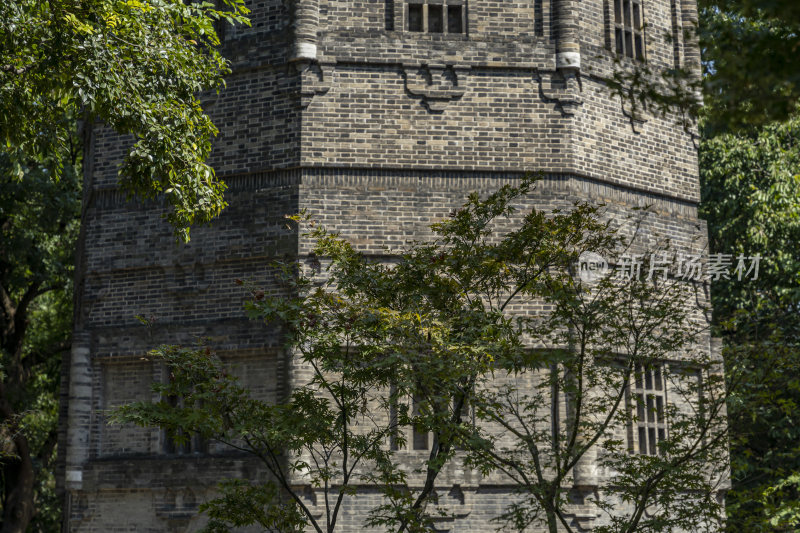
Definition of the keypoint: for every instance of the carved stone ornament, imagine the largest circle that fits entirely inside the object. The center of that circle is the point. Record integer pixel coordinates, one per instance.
(579, 511)
(315, 79)
(562, 87)
(177, 504)
(454, 505)
(436, 85)
(314, 501)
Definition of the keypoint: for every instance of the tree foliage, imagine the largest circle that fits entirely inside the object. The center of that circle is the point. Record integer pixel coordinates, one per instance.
(381, 349)
(751, 186)
(39, 220)
(750, 50)
(66, 67)
(616, 335)
(135, 66)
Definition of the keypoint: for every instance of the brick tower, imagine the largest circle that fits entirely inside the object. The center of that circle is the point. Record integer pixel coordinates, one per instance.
(378, 117)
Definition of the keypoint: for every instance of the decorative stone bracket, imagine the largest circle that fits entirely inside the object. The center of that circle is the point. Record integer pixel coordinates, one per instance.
(563, 87)
(436, 85)
(455, 505)
(186, 280)
(579, 511)
(314, 501)
(315, 79)
(177, 504)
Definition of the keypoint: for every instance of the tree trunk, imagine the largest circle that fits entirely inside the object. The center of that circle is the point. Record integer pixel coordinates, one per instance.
(19, 479)
(552, 520)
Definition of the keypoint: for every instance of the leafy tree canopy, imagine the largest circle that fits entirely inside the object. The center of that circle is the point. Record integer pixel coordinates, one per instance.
(750, 188)
(136, 66)
(751, 185)
(39, 220)
(750, 50)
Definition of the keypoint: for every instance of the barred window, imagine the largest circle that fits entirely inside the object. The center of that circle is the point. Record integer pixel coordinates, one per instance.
(401, 438)
(436, 16)
(176, 444)
(421, 439)
(649, 397)
(418, 438)
(629, 28)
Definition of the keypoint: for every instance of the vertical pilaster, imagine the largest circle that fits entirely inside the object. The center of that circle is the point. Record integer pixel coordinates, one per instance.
(78, 389)
(306, 24)
(677, 34)
(584, 473)
(568, 49)
(79, 413)
(691, 46)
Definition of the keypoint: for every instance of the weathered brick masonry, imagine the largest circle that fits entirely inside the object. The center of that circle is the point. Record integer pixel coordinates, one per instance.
(335, 107)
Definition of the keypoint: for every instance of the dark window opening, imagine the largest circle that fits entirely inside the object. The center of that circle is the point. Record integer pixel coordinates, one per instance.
(649, 394)
(467, 418)
(415, 17)
(437, 16)
(394, 418)
(454, 19)
(420, 437)
(629, 28)
(628, 44)
(435, 19)
(180, 442)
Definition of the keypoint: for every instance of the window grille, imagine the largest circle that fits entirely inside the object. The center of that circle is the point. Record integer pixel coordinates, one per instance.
(418, 439)
(629, 28)
(176, 445)
(649, 395)
(436, 16)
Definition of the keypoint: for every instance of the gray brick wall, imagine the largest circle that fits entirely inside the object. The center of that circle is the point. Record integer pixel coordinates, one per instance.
(378, 132)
